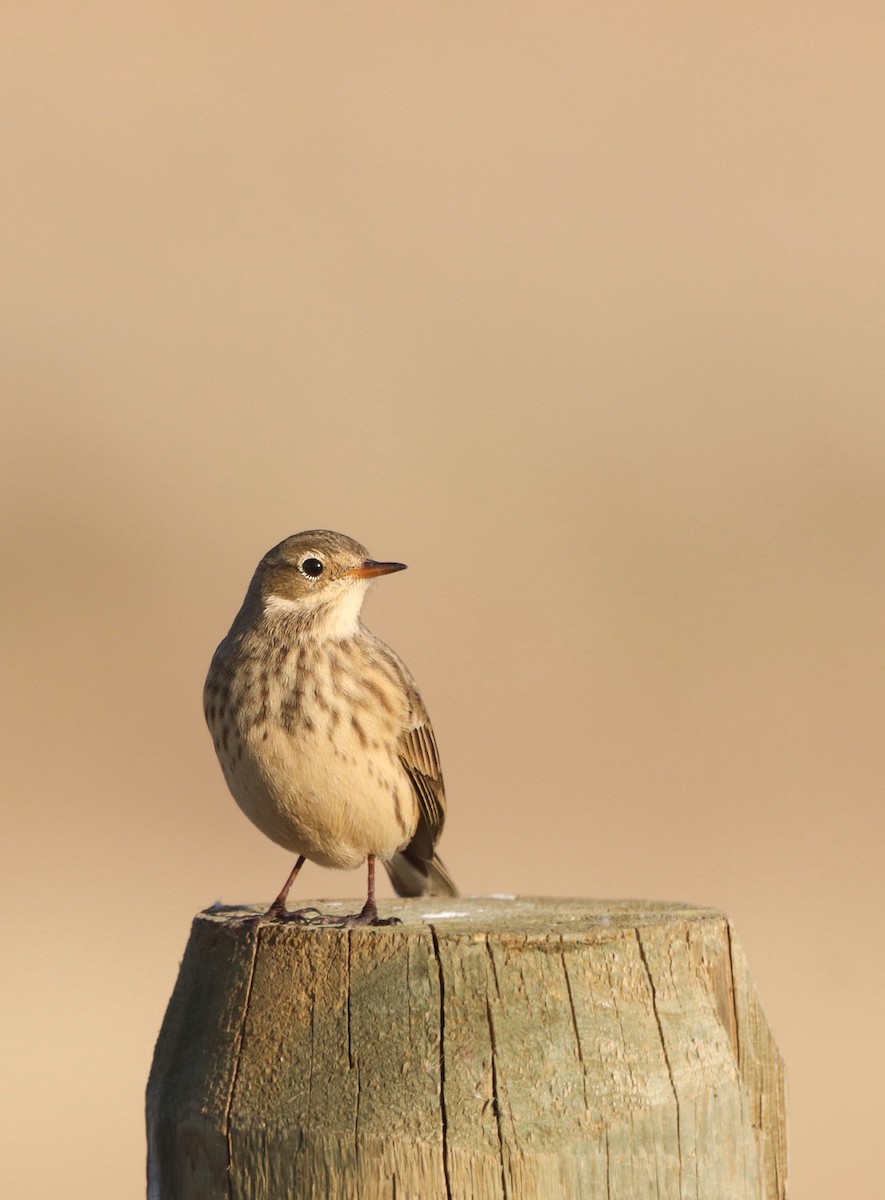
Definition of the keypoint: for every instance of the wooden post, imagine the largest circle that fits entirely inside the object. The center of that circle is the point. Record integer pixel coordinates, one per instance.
(485, 1048)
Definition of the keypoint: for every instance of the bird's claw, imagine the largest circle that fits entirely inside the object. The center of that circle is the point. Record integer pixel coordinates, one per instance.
(295, 916)
(365, 917)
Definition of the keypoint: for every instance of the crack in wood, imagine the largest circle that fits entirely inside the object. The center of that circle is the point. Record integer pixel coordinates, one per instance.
(347, 985)
(496, 1098)
(237, 1058)
(737, 1028)
(444, 1118)
(580, 1048)
(657, 1015)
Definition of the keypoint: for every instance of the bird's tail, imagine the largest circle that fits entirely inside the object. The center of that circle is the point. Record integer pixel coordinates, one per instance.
(412, 875)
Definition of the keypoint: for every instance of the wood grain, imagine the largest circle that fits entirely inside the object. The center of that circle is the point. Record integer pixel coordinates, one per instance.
(485, 1048)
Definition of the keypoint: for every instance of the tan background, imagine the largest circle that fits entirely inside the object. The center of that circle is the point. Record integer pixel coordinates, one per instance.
(577, 309)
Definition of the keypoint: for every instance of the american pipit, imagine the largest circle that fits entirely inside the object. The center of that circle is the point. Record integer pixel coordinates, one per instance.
(322, 736)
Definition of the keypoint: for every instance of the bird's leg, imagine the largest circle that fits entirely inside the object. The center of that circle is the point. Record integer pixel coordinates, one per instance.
(369, 913)
(278, 910)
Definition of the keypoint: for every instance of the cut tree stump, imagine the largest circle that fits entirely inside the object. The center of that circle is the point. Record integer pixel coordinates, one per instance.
(484, 1048)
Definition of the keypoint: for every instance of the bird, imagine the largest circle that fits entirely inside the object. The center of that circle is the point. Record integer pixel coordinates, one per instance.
(319, 728)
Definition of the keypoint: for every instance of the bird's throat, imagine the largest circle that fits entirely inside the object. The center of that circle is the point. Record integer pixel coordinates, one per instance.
(324, 617)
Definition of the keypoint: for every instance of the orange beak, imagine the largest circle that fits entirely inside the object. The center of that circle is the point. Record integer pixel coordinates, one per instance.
(370, 569)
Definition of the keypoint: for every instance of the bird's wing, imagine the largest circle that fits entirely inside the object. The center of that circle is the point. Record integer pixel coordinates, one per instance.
(419, 756)
(416, 870)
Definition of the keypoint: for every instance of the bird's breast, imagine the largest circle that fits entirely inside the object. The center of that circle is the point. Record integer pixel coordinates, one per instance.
(307, 738)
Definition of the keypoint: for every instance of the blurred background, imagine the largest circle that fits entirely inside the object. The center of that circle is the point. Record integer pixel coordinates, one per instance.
(576, 309)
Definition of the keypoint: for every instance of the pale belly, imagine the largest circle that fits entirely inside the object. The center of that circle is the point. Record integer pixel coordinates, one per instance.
(333, 805)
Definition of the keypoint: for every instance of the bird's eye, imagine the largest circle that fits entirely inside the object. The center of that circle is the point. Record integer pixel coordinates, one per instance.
(312, 568)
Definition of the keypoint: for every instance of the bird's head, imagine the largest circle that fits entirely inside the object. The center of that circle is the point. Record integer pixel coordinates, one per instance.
(320, 579)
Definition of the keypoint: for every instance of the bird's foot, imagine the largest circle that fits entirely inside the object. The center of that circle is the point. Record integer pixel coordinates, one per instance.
(294, 916)
(368, 915)
(235, 915)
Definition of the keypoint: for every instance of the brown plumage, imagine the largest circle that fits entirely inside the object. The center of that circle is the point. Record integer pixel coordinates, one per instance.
(319, 728)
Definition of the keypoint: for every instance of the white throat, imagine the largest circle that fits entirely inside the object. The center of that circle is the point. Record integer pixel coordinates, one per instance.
(327, 618)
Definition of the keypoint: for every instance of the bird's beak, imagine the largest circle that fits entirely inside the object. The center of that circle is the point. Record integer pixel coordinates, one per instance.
(370, 569)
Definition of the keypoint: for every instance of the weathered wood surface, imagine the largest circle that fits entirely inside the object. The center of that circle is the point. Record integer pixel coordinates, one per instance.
(485, 1048)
